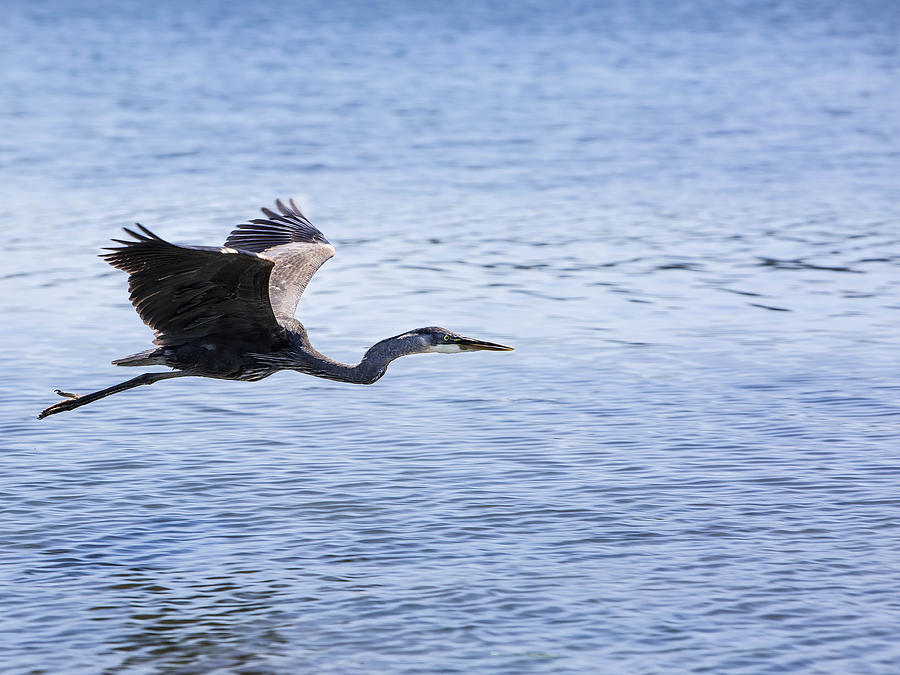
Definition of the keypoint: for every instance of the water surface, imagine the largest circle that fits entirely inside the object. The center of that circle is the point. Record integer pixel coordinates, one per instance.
(683, 215)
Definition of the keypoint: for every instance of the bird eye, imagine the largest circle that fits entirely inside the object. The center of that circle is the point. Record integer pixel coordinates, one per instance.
(446, 338)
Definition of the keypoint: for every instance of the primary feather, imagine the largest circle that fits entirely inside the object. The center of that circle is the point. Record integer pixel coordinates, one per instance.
(293, 243)
(189, 293)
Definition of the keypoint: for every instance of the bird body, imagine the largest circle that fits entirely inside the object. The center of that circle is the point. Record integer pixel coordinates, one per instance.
(228, 312)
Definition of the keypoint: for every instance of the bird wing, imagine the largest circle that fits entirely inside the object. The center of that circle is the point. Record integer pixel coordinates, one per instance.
(296, 246)
(195, 292)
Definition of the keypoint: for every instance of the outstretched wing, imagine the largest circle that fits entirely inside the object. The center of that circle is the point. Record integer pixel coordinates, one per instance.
(296, 246)
(195, 292)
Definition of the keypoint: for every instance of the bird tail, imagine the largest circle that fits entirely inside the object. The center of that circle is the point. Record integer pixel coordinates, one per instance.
(150, 357)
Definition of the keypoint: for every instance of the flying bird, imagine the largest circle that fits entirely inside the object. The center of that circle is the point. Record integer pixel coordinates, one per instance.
(228, 312)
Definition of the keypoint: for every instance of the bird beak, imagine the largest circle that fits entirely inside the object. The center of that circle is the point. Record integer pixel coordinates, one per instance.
(471, 344)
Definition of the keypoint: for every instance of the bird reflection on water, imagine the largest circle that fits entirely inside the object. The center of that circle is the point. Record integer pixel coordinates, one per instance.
(228, 312)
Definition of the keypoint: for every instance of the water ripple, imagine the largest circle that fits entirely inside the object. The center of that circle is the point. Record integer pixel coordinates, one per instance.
(687, 465)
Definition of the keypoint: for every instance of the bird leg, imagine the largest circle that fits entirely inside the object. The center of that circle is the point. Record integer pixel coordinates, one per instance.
(75, 401)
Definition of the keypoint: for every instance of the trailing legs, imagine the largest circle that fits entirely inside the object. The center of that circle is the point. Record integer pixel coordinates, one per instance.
(73, 401)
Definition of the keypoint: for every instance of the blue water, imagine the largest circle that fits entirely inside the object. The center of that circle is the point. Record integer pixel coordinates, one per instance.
(683, 215)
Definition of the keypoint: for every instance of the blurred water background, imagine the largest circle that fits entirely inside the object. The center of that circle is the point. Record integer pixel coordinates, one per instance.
(684, 216)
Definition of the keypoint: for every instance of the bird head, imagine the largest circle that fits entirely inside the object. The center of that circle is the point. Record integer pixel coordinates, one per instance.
(443, 341)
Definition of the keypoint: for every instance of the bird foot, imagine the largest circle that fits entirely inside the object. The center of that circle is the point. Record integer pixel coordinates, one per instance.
(62, 406)
(69, 403)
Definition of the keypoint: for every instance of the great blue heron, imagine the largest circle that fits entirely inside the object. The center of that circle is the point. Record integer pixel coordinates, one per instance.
(228, 312)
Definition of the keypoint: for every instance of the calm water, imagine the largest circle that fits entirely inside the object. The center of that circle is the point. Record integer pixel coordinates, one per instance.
(683, 215)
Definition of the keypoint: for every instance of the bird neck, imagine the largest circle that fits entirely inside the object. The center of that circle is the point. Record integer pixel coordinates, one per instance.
(376, 360)
(369, 370)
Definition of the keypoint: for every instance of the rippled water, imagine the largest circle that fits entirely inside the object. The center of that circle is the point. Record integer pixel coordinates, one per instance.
(683, 215)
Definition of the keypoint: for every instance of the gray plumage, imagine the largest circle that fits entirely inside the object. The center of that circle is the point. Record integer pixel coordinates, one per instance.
(228, 312)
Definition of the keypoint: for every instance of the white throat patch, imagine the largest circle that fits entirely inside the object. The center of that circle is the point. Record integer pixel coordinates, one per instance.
(448, 348)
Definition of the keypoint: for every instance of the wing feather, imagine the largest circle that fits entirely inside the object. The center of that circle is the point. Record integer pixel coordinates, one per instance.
(297, 248)
(194, 292)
